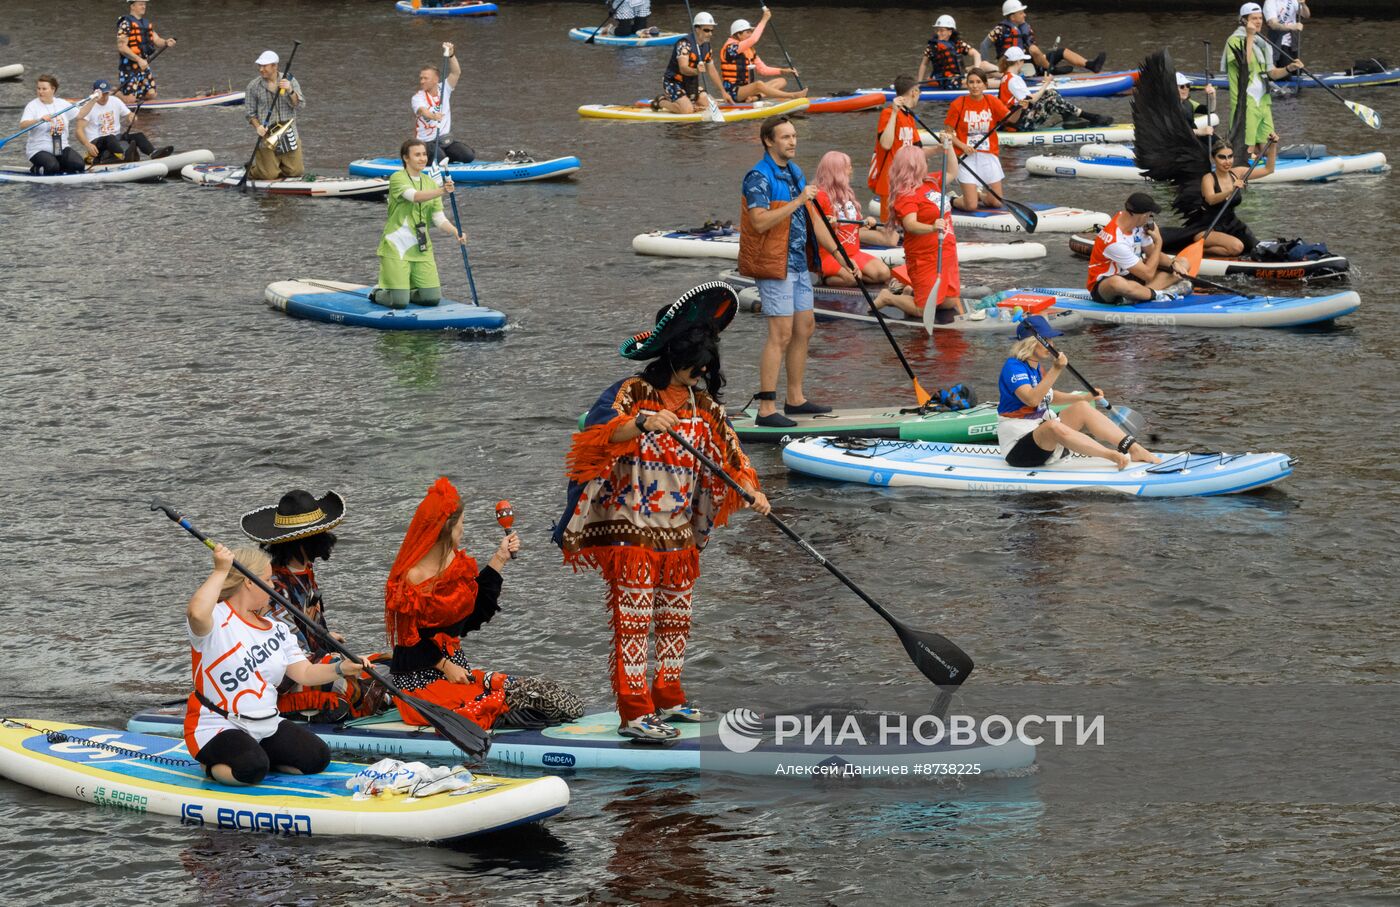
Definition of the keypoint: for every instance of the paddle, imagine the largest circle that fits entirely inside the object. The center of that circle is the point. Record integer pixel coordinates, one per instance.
(5, 141)
(920, 394)
(936, 294)
(145, 93)
(446, 175)
(463, 732)
(712, 113)
(936, 657)
(774, 29)
(1024, 216)
(1196, 250)
(1127, 419)
(1210, 108)
(267, 120)
(612, 11)
(1367, 115)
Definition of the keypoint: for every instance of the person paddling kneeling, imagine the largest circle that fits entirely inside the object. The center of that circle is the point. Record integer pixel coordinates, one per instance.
(1029, 432)
(407, 270)
(240, 656)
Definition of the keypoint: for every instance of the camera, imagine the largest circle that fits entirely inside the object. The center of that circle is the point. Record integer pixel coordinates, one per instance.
(421, 231)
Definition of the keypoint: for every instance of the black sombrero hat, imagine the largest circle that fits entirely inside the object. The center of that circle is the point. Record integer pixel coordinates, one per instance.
(712, 304)
(296, 516)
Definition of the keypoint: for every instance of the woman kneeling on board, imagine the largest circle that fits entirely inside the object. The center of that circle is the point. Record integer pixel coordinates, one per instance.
(640, 507)
(407, 269)
(838, 200)
(1030, 433)
(434, 596)
(240, 656)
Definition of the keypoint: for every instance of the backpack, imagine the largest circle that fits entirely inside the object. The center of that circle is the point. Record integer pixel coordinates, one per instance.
(1368, 66)
(1289, 250)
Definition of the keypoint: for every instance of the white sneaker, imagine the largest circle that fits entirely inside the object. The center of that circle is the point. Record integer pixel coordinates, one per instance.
(685, 713)
(647, 727)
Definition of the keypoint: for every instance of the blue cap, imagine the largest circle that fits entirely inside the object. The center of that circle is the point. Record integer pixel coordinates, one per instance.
(1042, 327)
(102, 85)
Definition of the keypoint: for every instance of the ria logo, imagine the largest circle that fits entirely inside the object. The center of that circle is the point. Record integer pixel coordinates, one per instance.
(740, 730)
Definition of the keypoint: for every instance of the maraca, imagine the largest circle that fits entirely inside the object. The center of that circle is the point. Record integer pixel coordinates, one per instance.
(505, 515)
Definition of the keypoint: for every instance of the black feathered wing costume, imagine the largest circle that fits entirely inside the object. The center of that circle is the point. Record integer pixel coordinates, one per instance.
(1169, 150)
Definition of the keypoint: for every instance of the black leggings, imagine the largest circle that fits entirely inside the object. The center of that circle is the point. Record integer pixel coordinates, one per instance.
(46, 163)
(115, 145)
(456, 152)
(293, 746)
(626, 28)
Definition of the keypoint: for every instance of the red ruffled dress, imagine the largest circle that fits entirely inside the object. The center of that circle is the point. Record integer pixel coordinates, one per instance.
(426, 622)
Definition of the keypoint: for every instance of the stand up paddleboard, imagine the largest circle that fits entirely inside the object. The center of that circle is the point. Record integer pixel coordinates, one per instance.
(150, 774)
(959, 467)
(592, 742)
(335, 302)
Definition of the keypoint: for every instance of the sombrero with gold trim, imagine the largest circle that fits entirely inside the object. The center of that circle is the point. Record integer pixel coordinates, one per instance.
(296, 516)
(712, 304)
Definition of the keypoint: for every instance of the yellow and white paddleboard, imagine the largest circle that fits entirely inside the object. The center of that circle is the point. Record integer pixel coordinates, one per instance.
(149, 774)
(645, 115)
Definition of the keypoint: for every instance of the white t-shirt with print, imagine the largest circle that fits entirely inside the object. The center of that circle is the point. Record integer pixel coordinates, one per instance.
(106, 119)
(428, 130)
(41, 137)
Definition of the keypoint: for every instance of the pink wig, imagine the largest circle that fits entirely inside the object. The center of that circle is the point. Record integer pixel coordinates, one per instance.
(907, 173)
(831, 178)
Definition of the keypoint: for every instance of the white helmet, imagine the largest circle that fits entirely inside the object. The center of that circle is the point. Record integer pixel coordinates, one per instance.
(703, 19)
(1012, 6)
(1250, 9)
(739, 25)
(945, 21)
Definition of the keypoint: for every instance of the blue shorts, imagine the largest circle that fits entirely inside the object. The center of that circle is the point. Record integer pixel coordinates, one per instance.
(788, 296)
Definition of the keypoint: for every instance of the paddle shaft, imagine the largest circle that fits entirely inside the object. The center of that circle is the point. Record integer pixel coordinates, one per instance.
(145, 92)
(935, 296)
(4, 142)
(1210, 107)
(884, 326)
(1236, 191)
(452, 196)
(790, 533)
(1301, 68)
(612, 11)
(774, 29)
(267, 120)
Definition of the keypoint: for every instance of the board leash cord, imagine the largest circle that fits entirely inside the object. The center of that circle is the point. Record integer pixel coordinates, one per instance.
(56, 737)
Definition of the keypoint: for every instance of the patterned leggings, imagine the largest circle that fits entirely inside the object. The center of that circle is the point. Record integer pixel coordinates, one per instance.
(633, 608)
(1041, 111)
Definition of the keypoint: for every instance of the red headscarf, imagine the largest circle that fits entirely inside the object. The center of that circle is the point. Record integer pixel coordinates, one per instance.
(408, 607)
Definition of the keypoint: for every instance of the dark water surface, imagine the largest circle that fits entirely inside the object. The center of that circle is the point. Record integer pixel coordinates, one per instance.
(138, 358)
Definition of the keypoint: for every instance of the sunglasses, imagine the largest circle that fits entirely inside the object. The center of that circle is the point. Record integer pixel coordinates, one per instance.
(707, 30)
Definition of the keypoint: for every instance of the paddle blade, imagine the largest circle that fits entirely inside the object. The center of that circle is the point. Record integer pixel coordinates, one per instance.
(1192, 255)
(936, 657)
(1367, 115)
(1128, 419)
(920, 394)
(712, 114)
(1027, 218)
(931, 305)
(465, 734)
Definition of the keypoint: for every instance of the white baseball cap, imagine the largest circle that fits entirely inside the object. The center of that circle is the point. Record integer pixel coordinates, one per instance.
(1012, 6)
(266, 57)
(739, 25)
(1015, 53)
(703, 19)
(945, 21)
(1181, 80)
(1250, 9)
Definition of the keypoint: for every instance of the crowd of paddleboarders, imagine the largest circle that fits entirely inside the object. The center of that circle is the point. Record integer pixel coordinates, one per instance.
(657, 466)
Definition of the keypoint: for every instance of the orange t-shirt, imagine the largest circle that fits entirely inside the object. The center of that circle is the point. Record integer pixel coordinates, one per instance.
(905, 133)
(971, 120)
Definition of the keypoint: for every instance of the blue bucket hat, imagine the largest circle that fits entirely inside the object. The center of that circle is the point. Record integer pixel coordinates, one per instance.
(1042, 327)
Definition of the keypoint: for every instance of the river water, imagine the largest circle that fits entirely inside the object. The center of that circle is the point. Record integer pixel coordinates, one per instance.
(1242, 650)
